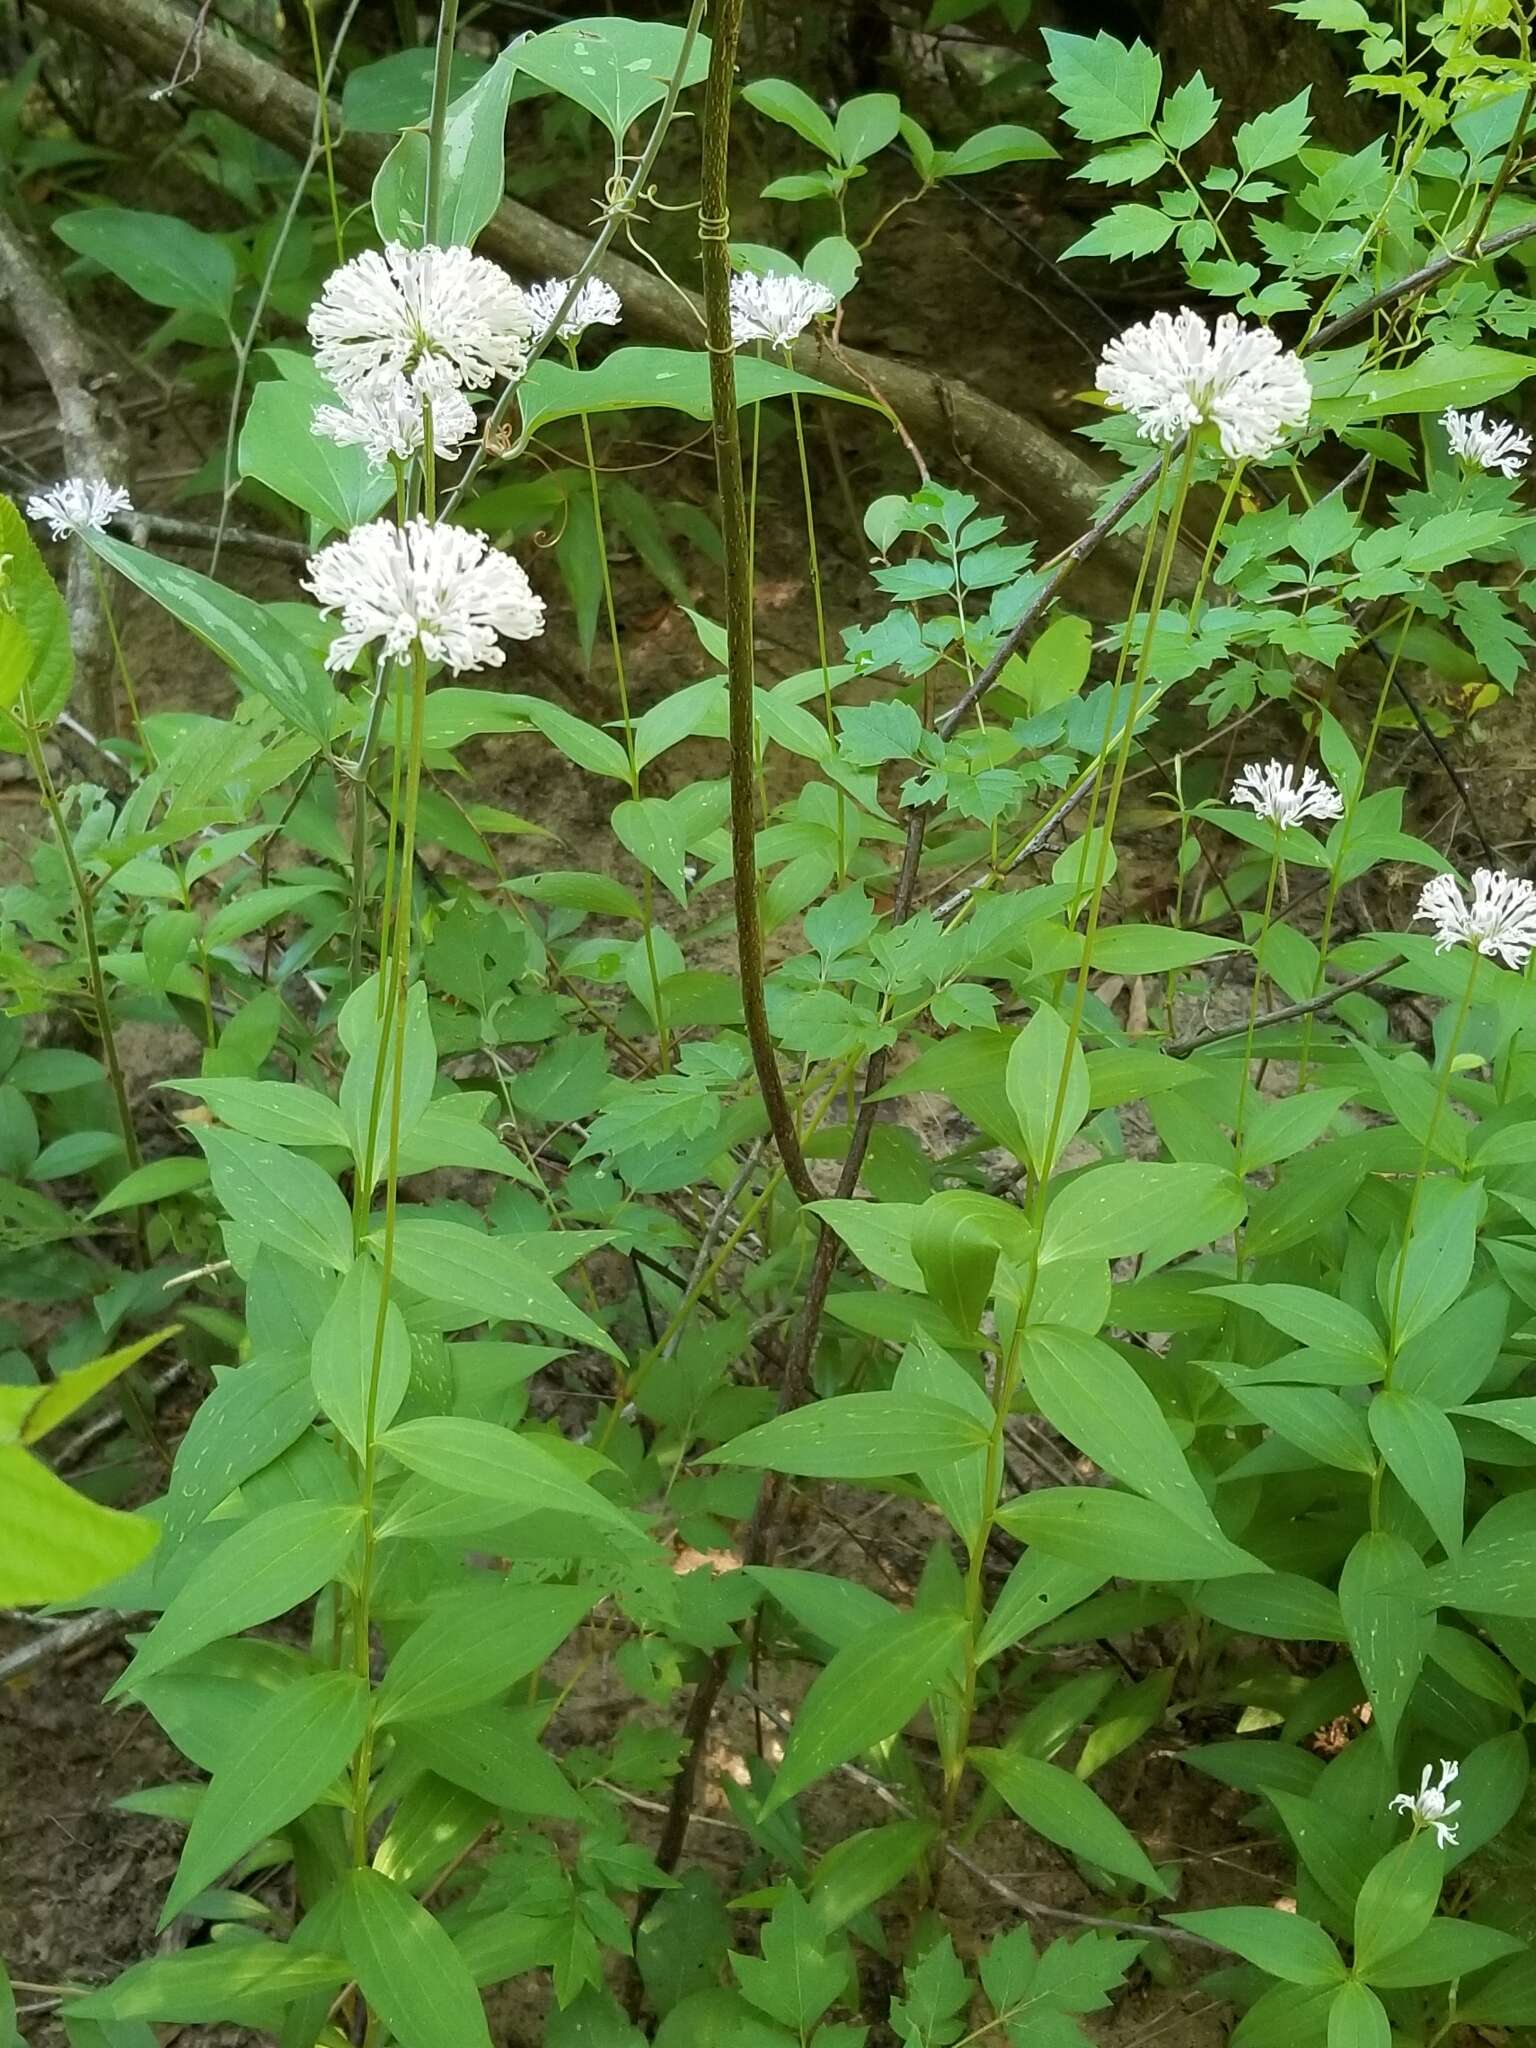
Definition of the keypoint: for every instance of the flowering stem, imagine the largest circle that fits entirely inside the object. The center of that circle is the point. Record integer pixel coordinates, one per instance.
(442, 72)
(714, 231)
(1117, 779)
(119, 658)
(814, 559)
(399, 975)
(611, 615)
(323, 97)
(1442, 1090)
(1245, 1070)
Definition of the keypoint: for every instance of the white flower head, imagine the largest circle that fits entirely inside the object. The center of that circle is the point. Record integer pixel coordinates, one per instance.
(1501, 920)
(1428, 1806)
(384, 413)
(775, 309)
(442, 587)
(79, 504)
(1486, 444)
(1175, 374)
(1273, 792)
(389, 311)
(595, 305)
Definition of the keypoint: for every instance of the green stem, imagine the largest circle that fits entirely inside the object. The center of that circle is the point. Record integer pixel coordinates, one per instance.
(119, 659)
(1442, 1090)
(399, 973)
(814, 558)
(1240, 1120)
(322, 83)
(442, 70)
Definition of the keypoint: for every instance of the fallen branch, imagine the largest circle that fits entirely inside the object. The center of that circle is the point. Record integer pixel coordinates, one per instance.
(92, 434)
(61, 1638)
(1180, 1048)
(1017, 453)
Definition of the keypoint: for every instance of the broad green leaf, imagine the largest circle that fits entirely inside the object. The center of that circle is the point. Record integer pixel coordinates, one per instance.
(857, 1872)
(490, 1276)
(1315, 1419)
(38, 654)
(339, 487)
(361, 1361)
(58, 1544)
(396, 91)
(494, 1752)
(858, 1436)
(69, 1391)
(956, 1254)
(1037, 1589)
(879, 1234)
(1383, 1598)
(1121, 1535)
(293, 1747)
(483, 1459)
(246, 1982)
(246, 636)
(279, 1111)
(794, 108)
(253, 1414)
(1310, 1317)
(156, 1182)
(1423, 1453)
(869, 1691)
(671, 379)
(406, 1966)
(1100, 1403)
(1397, 1900)
(280, 1199)
(866, 124)
(1358, 2019)
(1493, 1573)
(831, 1608)
(1006, 142)
(1279, 1604)
(477, 1641)
(1106, 89)
(1047, 1081)
(475, 152)
(1284, 1944)
(162, 258)
(1130, 1206)
(616, 68)
(1067, 1812)
(259, 1571)
(1443, 1950)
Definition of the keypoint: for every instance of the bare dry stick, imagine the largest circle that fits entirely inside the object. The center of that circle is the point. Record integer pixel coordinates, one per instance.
(94, 443)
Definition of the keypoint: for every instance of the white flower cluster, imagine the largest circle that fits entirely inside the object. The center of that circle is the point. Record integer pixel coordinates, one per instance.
(1427, 1805)
(406, 336)
(1486, 444)
(765, 307)
(398, 331)
(1176, 375)
(595, 305)
(1272, 791)
(1500, 921)
(79, 504)
(444, 588)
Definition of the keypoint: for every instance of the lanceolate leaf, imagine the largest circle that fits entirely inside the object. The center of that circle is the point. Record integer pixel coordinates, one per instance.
(263, 1568)
(1064, 1810)
(859, 1436)
(476, 1643)
(292, 1748)
(870, 1690)
(517, 1471)
(1122, 1536)
(409, 1971)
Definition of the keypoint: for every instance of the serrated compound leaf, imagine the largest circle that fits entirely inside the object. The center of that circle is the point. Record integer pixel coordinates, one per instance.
(290, 1750)
(1066, 1811)
(858, 1436)
(869, 1691)
(261, 1570)
(407, 1967)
